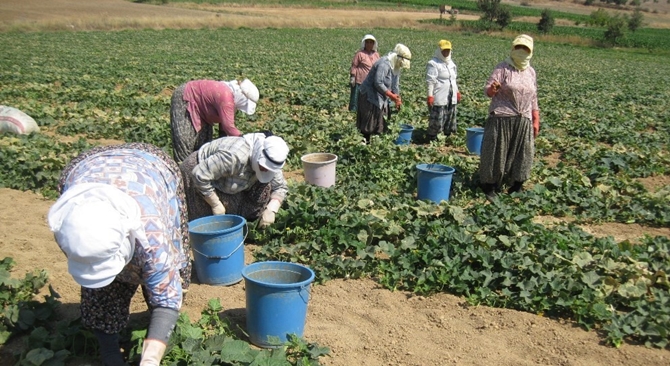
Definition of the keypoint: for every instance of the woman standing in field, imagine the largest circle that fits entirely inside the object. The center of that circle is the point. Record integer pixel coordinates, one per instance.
(513, 124)
(121, 222)
(360, 67)
(237, 175)
(381, 85)
(199, 104)
(443, 94)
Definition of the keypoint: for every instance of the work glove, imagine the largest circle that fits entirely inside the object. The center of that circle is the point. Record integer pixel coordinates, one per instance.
(268, 216)
(352, 81)
(430, 101)
(458, 97)
(215, 203)
(395, 98)
(536, 123)
(152, 352)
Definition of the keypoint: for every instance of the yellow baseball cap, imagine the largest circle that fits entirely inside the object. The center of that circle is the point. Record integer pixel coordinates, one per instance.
(444, 44)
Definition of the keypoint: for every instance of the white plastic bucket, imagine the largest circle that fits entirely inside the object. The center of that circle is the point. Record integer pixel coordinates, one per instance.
(319, 168)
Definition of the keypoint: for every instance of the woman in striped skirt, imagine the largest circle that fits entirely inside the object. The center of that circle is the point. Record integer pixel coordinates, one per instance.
(513, 124)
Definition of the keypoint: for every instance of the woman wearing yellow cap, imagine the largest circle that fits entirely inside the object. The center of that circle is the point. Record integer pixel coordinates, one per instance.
(443, 94)
(513, 124)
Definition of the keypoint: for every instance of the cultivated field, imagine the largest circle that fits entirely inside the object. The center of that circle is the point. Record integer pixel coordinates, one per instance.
(601, 179)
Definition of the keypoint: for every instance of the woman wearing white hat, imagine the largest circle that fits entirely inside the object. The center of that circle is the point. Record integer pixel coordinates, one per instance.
(381, 85)
(198, 105)
(363, 60)
(237, 175)
(121, 222)
(508, 144)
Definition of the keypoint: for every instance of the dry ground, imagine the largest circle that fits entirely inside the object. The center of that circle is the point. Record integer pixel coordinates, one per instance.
(362, 323)
(123, 14)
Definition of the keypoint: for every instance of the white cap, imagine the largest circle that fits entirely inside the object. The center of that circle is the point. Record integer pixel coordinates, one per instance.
(272, 157)
(96, 226)
(92, 237)
(371, 37)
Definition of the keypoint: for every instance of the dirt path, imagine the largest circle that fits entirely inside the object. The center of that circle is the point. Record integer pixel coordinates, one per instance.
(362, 323)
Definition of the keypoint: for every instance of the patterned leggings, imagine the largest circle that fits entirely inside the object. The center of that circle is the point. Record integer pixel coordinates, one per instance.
(185, 139)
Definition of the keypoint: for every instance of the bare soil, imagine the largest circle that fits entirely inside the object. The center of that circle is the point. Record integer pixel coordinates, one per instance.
(361, 322)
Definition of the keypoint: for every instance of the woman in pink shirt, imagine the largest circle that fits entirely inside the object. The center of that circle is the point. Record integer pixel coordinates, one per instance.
(360, 67)
(200, 104)
(513, 124)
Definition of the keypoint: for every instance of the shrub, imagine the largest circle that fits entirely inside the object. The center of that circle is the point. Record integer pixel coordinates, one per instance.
(599, 18)
(636, 20)
(546, 22)
(616, 30)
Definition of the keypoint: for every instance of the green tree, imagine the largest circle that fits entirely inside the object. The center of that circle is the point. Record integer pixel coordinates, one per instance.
(616, 30)
(599, 18)
(636, 20)
(489, 9)
(546, 22)
(494, 12)
(504, 16)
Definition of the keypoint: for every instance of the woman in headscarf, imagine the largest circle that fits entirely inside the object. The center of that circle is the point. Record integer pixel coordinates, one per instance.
(443, 94)
(363, 60)
(513, 124)
(198, 105)
(381, 85)
(121, 222)
(237, 175)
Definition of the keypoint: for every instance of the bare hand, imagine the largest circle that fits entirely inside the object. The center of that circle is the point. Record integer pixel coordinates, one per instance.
(495, 86)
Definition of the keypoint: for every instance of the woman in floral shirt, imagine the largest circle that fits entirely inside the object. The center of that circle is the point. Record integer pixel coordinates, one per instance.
(513, 124)
(121, 222)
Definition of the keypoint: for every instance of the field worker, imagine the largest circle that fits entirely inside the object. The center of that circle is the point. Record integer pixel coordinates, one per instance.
(363, 60)
(237, 175)
(443, 94)
(121, 222)
(381, 85)
(198, 105)
(508, 144)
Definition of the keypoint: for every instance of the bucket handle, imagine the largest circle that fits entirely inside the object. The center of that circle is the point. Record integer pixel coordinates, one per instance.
(308, 291)
(246, 232)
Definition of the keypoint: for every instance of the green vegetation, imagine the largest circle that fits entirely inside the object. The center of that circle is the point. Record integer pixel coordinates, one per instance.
(606, 123)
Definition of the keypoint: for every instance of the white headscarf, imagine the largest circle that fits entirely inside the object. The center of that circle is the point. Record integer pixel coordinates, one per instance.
(520, 59)
(245, 95)
(400, 58)
(439, 56)
(365, 38)
(96, 226)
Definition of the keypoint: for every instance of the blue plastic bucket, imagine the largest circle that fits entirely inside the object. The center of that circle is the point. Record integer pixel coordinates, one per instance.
(434, 182)
(277, 294)
(405, 135)
(473, 139)
(218, 248)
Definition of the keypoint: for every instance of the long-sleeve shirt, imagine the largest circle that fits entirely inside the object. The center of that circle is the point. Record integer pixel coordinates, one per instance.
(517, 95)
(441, 80)
(211, 102)
(361, 64)
(150, 182)
(225, 164)
(379, 80)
